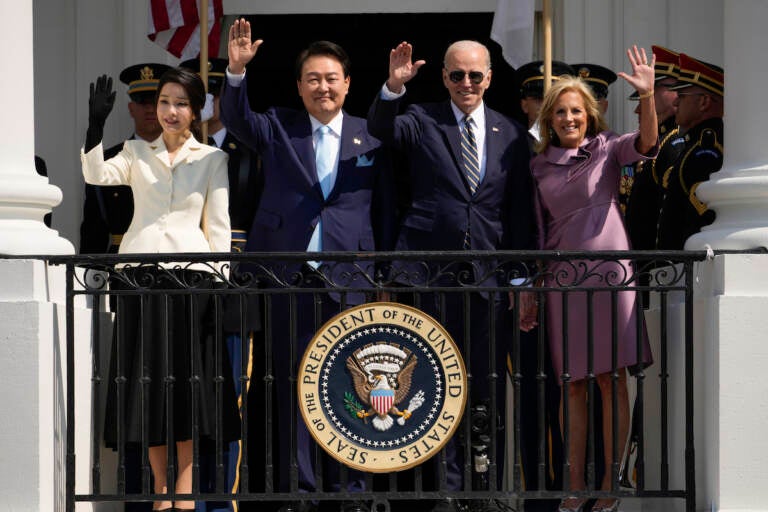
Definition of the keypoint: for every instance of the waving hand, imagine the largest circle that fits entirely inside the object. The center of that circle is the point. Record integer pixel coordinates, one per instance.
(642, 76)
(240, 47)
(401, 67)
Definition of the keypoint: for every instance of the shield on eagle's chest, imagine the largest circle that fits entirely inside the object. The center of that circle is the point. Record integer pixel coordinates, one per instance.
(382, 399)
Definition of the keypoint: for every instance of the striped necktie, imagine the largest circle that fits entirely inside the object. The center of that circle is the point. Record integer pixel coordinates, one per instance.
(469, 154)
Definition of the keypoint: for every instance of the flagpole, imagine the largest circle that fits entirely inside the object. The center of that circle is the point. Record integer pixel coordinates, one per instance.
(204, 57)
(547, 15)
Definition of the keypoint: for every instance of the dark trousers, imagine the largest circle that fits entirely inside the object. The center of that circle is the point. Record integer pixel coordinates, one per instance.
(293, 321)
(539, 444)
(484, 353)
(243, 361)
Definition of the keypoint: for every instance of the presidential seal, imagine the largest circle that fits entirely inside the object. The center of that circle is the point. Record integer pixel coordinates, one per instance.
(382, 387)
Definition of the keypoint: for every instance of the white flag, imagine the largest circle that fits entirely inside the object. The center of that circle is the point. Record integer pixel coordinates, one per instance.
(513, 30)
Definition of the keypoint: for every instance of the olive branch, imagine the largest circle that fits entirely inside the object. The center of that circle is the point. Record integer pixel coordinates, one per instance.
(353, 406)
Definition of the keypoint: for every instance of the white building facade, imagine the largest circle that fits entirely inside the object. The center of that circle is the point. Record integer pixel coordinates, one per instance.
(55, 48)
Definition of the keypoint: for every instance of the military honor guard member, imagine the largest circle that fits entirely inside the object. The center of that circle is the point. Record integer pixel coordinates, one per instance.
(645, 191)
(699, 116)
(241, 324)
(599, 78)
(108, 210)
(530, 79)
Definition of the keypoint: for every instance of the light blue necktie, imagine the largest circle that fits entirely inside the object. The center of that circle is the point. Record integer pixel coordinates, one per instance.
(324, 165)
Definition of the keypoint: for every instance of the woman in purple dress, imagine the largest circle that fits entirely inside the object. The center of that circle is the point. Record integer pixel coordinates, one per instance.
(577, 189)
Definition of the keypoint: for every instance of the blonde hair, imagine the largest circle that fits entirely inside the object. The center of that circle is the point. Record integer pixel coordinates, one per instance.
(595, 121)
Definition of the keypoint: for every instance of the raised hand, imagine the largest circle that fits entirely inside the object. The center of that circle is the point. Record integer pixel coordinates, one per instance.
(642, 77)
(240, 48)
(401, 68)
(101, 100)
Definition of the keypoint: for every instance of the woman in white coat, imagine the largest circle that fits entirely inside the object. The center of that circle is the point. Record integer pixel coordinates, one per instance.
(180, 195)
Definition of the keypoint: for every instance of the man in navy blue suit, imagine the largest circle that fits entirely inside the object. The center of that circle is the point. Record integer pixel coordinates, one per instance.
(471, 189)
(327, 187)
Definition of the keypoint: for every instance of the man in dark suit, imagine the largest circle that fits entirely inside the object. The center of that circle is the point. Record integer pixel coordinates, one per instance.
(107, 211)
(471, 189)
(241, 321)
(327, 187)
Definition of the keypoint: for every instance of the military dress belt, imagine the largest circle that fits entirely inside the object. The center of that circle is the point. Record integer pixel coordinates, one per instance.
(114, 241)
(239, 238)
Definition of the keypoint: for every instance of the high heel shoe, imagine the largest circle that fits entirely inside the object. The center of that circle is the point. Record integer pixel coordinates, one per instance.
(577, 505)
(613, 507)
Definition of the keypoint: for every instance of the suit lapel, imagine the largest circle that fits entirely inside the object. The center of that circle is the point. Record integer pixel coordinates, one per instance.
(352, 139)
(160, 151)
(450, 129)
(300, 134)
(493, 139)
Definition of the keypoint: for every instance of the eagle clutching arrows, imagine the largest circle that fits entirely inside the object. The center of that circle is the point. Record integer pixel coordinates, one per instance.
(382, 375)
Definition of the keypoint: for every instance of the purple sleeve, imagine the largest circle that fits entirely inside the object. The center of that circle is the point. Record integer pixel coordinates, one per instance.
(538, 210)
(622, 147)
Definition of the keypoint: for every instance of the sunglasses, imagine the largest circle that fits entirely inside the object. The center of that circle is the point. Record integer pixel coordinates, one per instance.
(474, 76)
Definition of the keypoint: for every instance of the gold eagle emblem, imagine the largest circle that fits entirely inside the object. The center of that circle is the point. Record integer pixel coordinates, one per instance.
(382, 373)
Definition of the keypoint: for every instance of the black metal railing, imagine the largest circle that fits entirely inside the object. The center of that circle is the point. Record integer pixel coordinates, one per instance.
(286, 294)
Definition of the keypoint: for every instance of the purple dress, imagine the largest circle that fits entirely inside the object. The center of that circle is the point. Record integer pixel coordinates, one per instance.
(577, 208)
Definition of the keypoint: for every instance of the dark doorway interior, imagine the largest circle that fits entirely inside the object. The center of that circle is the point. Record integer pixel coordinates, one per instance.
(368, 38)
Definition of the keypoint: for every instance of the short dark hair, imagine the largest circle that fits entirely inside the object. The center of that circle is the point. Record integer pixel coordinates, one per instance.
(325, 48)
(194, 88)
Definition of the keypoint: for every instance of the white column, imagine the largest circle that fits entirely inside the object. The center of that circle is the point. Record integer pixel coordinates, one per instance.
(739, 192)
(738, 396)
(25, 197)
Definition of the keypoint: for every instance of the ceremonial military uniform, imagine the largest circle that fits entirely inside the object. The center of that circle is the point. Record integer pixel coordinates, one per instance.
(598, 77)
(245, 186)
(643, 189)
(648, 190)
(530, 79)
(682, 212)
(107, 213)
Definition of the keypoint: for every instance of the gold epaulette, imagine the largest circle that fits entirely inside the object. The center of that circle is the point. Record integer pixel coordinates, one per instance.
(672, 133)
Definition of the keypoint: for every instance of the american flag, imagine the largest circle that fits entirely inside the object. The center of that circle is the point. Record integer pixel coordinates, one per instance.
(175, 25)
